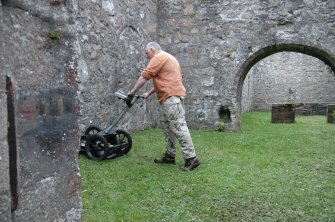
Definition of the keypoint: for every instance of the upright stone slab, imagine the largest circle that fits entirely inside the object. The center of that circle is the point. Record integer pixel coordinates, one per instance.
(330, 113)
(5, 197)
(283, 113)
(39, 136)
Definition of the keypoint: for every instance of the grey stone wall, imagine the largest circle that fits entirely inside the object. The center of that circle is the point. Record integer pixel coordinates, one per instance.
(66, 59)
(288, 78)
(37, 56)
(112, 36)
(218, 42)
(5, 197)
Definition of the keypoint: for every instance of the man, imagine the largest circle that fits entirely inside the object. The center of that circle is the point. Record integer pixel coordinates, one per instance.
(165, 72)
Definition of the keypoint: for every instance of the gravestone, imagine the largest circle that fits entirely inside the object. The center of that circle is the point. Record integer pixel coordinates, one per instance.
(283, 113)
(330, 112)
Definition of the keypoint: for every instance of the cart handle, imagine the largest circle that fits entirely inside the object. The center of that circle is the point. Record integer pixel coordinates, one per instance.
(130, 100)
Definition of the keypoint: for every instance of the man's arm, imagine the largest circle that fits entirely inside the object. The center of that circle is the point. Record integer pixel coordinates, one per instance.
(139, 83)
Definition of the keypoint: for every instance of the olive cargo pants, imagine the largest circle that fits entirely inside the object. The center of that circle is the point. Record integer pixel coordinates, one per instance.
(175, 128)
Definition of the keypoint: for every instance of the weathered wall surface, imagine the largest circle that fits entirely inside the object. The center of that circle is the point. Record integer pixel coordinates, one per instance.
(288, 78)
(218, 42)
(5, 197)
(60, 55)
(36, 56)
(112, 36)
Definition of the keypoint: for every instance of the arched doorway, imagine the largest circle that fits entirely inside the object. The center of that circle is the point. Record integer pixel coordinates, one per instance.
(289, 77)
(269, 50)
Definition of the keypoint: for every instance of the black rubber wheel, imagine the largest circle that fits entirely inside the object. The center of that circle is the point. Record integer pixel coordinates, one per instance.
(96, 147)
(123, 138)
(88, 132)
(92, 130)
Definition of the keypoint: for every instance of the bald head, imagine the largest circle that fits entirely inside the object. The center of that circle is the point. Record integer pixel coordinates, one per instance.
(153, 45)
(152, 48)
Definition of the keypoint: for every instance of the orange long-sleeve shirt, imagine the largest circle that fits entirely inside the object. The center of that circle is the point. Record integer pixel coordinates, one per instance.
(165, 71)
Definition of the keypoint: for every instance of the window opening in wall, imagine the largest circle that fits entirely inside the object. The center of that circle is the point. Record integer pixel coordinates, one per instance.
(12, 144)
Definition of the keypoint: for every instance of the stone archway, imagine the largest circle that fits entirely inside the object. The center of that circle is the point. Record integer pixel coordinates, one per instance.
(319, 53)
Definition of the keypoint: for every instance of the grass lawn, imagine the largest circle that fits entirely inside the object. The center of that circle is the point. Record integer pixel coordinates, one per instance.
(265, 172)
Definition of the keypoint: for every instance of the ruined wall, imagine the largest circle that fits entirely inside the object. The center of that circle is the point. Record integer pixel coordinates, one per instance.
(39, 156)
(248, 92)
(112, 36)
(64, 60)
(5, 196)
(288, 78)
(217, 42)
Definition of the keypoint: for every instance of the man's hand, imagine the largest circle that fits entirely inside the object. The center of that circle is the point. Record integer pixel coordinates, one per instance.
(131, 93)
(146, 95)
(149, 93)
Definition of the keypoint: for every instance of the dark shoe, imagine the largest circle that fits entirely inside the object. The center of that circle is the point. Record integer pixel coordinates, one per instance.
(166, 159)
(190, 164)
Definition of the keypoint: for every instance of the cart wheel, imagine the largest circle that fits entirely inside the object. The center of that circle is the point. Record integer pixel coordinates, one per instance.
(123, 138)
(92, 130)
(96, 147)
(88, 132)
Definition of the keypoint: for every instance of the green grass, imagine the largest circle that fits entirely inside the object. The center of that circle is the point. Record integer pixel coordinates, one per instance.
(265, 172)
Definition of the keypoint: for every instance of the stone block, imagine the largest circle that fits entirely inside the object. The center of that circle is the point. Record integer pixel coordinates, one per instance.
(310, 109)
(283, 113)
(330, 113)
